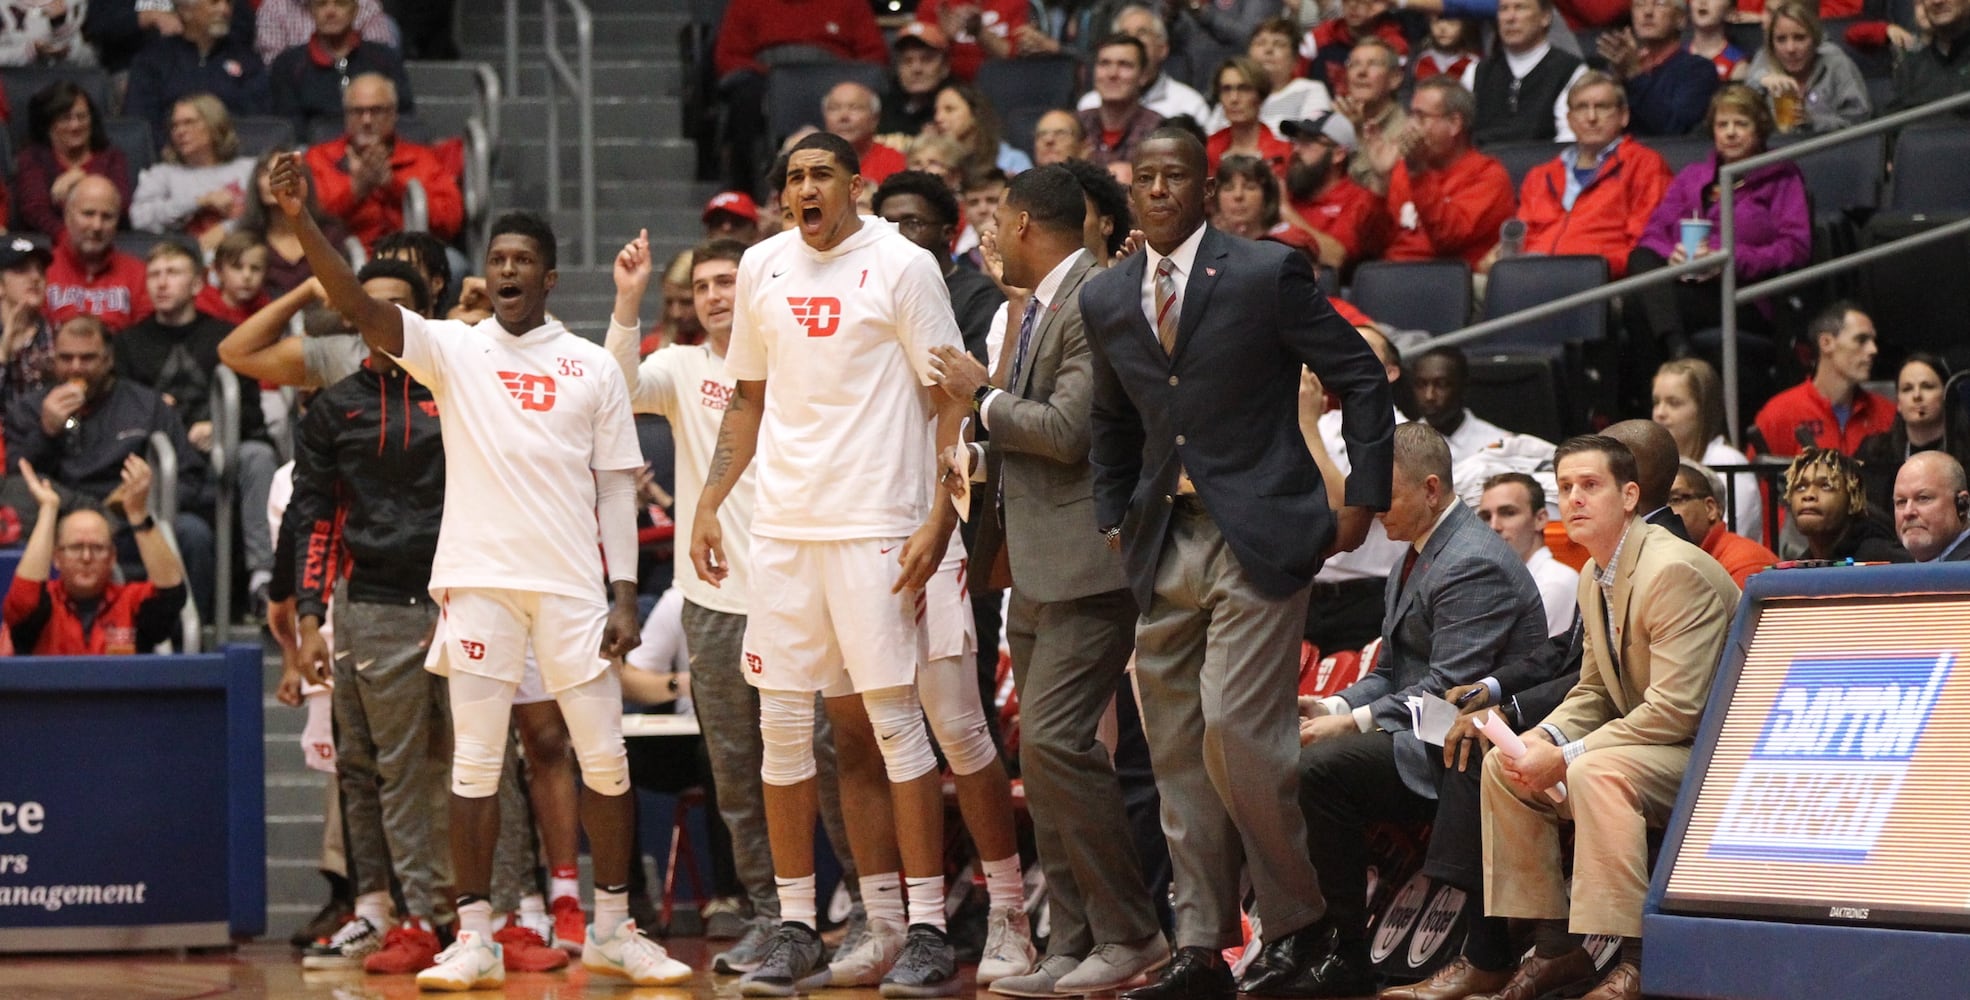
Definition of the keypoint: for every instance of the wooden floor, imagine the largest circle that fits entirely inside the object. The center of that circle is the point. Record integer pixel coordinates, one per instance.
(274, 970)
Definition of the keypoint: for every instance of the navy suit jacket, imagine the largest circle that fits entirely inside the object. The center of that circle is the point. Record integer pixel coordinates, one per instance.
(1224, 406)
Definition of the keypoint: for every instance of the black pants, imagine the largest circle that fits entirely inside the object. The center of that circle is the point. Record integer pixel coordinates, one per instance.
(1346, 615)
(1345, 783)
(427, 27)
(744, 96)
(669, 765)
(1661, 319)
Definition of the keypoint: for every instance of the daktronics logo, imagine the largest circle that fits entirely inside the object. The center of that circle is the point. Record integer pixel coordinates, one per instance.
(535, 392)
(820, 314)
(1828, 767)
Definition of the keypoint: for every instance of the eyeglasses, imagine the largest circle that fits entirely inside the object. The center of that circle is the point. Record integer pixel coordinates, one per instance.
(369, 111)
(84, 550)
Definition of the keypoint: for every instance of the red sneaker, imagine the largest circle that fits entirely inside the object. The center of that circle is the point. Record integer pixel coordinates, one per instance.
(407, 949)
(525, 951)
(570, 925)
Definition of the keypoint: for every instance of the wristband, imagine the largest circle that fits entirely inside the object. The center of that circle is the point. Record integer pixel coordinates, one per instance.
(978, 396)
(148, 523)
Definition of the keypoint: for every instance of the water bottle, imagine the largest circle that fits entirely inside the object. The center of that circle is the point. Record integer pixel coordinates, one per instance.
(1511, 238)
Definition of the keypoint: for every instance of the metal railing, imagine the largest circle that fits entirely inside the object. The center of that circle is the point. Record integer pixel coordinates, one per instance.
(164, 508)
(577, 77)
(225, 480)
(1725, 255)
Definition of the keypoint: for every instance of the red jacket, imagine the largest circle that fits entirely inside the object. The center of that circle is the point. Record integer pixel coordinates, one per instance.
(1803, 406)
(879, 161)
(1353, 215)
(115, 293)
(133, 617)
(212, 302)
(382, 212)
(1000, 17)
(1272, 149)
(847, 27)
(1457, 210)
(1609, 216)
(1739, 555)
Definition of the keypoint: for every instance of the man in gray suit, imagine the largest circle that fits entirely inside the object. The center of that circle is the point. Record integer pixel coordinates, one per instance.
(1932, 507)
(1461, 605)
(1072, 622)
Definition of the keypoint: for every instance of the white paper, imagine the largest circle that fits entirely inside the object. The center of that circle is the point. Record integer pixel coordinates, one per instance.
(1434, 717)
(1509, 744)
(962, 500)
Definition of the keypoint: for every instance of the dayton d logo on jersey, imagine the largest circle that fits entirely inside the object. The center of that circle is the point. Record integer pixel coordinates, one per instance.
(820, 314)
(535, 392)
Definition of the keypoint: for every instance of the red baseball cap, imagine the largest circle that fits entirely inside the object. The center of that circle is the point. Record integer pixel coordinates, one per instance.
(737, 203)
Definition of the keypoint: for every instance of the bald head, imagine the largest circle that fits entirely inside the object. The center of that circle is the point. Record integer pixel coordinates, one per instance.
(90, 216)
(1931, 497)
(850, 111)
(1655, 459)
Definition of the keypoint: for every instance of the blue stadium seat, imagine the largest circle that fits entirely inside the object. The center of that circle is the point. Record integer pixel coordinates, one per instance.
(794, 93)
(1433, 295)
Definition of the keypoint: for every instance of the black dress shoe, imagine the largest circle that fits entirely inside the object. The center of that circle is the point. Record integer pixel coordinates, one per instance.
(1342, 972)
(1312, 962)
(1194, 974)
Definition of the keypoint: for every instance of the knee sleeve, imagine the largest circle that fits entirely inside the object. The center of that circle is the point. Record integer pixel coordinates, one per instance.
(480, 709)
(786, 733)
(950, 700)
(593, 710)
(897, 718)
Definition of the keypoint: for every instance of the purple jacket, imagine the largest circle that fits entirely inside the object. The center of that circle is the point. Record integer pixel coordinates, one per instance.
(1774, 227)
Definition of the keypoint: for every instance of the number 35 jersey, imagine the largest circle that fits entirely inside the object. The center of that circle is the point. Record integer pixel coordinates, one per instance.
(843, 339)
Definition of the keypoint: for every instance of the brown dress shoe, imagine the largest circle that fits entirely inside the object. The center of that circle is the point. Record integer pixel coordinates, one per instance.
(1537, 976)
(1456, 981)
(1623, 982)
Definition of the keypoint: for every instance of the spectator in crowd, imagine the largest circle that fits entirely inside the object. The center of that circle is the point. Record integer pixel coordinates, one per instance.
(1206, 34)
(1620, 740)
(984, 188)
(119, 29)
(1923, 422)
(757, 35)
(1709, 40)
(40, 33)
(923, 209)
(174, 352)
(1828, 504)
(89, 275)
(1329, 45)
(678, 323)
(1522, 91)
(1439, 376)
(1246, 202)
(1668, 87)
(1774, 228)
(851, 111)
(66, 141)
(1242, 86)
(1057, 138)
(1935, 70)
(1291, 97)
(238, 288)
(1687, 399)
(1446, 198)
(1462, 606)
(1347, 222)
(80, 431)
(1453, 50)
(978, 29)
(1597, 195)
(361, 175)
(207, 58)
(1161, 92)
(1374, 74)
(286, 267)
(428, 255)
(920, 68)
(201, 184)
(1812, 85)
(1699, 500)
(308, 79)
(1514, 506)
(940, 156)
(731, 215)
(1829, 410)
(86, 612)
(27, 339)
(964, 115)
(1932, 508)
(1120, 120)
(1109, 218)
(280, 25)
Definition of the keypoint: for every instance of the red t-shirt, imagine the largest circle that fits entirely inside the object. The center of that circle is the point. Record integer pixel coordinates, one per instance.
(1352, 215)
(879, 161)
(115, 294)
(112, 633)
(1000, 17)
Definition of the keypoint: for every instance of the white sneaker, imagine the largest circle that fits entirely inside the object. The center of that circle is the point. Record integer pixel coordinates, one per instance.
(471, 963)
(629, 955)
(870, 960)
(1009, 947)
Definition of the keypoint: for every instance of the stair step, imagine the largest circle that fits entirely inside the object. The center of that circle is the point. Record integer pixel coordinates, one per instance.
(298, 794)
(644, 28)
(524, 158)
(294, 835)
(621, 116)
(657, 74)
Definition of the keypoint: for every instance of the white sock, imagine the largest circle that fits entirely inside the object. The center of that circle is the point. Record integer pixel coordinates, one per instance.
(532, 905)
(882, 899)
(926, 900)
(611, 910)
(564, 882)
(376, 907)
(1004, 883)
(797, 901)
(476, 917)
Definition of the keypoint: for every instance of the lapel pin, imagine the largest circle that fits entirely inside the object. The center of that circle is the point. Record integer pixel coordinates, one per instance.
(1211, 272)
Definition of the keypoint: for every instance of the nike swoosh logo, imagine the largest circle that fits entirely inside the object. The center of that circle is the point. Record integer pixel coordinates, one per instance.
(888, 550)
(776, 274)
(364, 664)
(343, 654)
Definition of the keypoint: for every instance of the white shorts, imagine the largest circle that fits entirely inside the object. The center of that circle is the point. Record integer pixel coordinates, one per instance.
(951, 631)
(823, 619)
(490, 633)
(532, 690)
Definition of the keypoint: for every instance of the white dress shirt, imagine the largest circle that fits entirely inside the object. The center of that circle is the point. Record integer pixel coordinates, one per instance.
(1559, 588)
(1043, 293)
(1472, 436)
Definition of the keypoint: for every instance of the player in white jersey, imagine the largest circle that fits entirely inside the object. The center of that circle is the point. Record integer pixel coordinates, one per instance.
(540, 452)
(840, 317)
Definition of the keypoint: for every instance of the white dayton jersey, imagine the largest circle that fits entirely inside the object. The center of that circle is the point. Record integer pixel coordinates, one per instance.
(843, 339)
(528, 422)
(691, 387)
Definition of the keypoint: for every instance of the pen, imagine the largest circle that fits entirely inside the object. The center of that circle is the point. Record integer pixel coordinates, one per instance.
(1468, 696)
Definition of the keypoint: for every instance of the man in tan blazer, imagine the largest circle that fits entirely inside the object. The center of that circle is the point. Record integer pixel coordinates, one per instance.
(1656, 612)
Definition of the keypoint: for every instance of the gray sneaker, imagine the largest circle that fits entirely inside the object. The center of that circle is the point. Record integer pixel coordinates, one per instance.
(1114, 965)
(795, 960)
(1039, 982)
(356, 940)
(926, 968)
(744, 956)
(855, 931)
(724, 920)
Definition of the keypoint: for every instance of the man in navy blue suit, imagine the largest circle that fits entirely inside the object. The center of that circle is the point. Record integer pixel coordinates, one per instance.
(1202, 479)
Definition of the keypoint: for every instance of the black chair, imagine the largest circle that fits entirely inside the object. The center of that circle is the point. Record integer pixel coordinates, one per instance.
(132, 136)
(1522, 393)
(698, 98)
(794, 93)
(1520, 157)
(23, 82)
(1518, 283)
(1432, 295)
(1845, 177)
(259, 133)
(1930, 174)
(1020, 124)
(7, 155)
(1680, 151)
(1044, 82)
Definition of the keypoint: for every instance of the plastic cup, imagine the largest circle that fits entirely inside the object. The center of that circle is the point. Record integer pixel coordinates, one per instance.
(1695, 233)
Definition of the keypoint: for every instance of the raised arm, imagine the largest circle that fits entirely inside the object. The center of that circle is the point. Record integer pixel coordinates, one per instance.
(161, 565)
(381, 323)
(259, 347)
(632, 274)
(39, 556)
